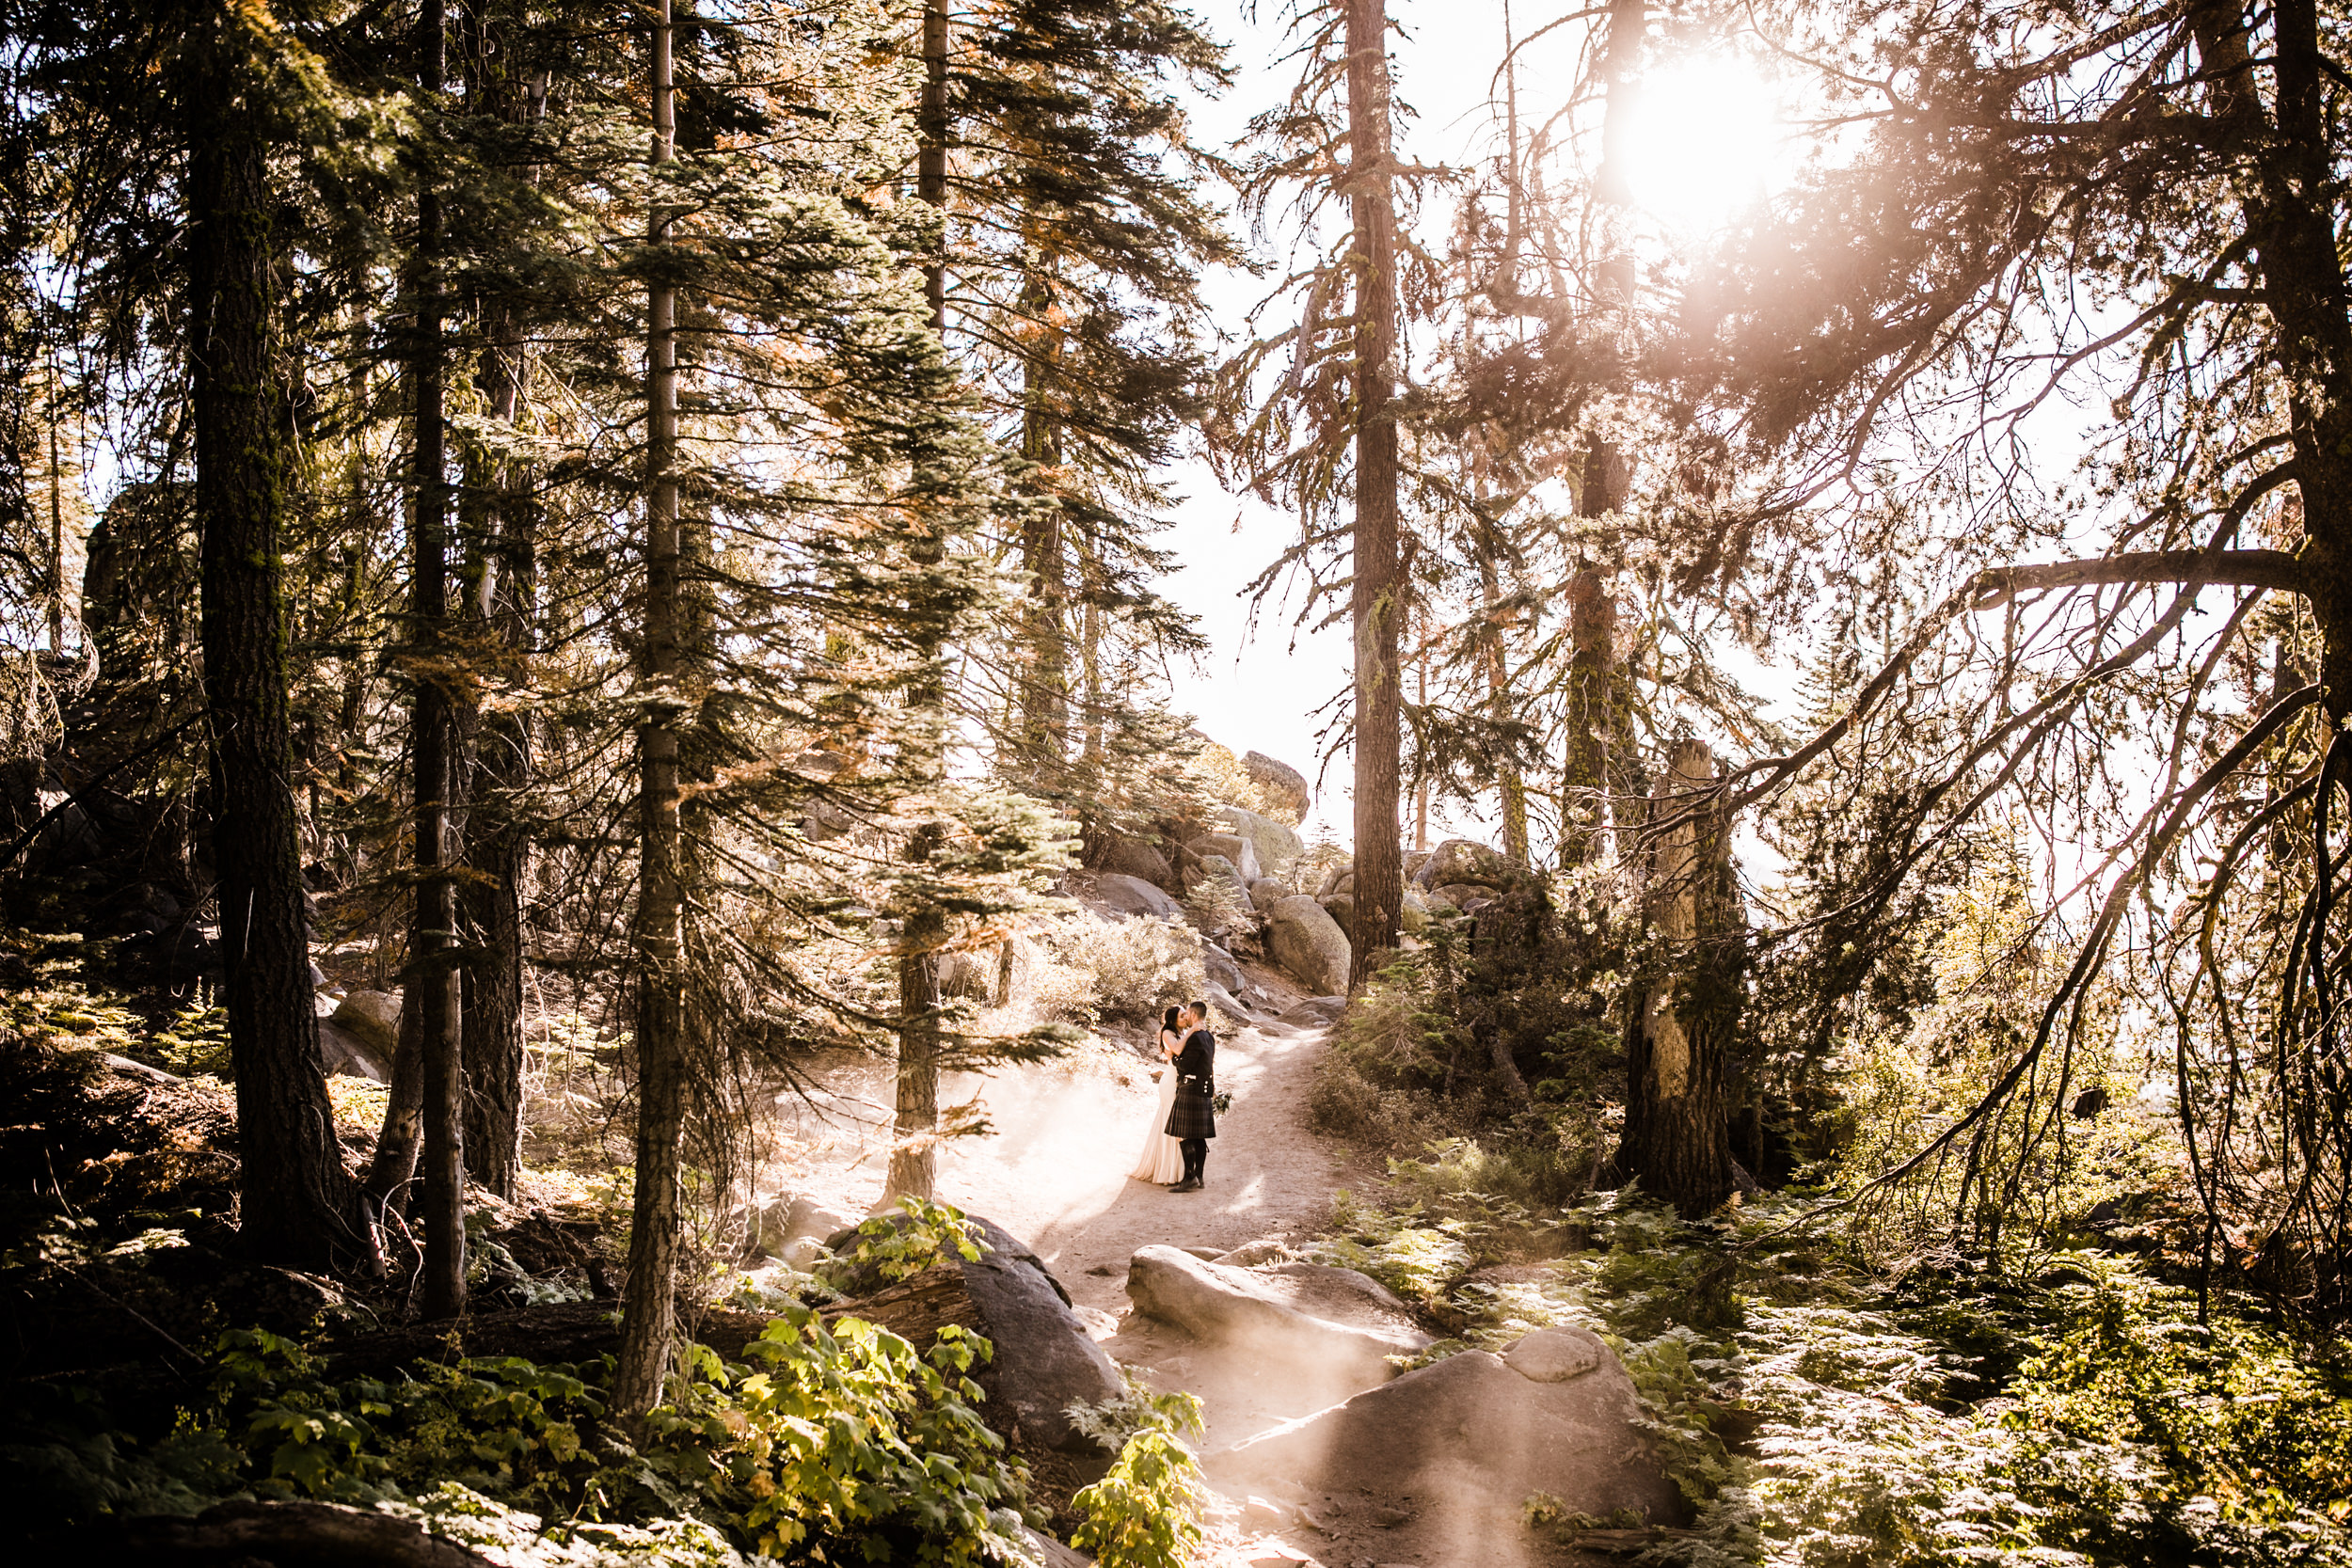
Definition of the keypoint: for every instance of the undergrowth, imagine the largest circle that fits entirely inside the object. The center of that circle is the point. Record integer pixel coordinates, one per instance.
(1814, 1411)
(825, 1443)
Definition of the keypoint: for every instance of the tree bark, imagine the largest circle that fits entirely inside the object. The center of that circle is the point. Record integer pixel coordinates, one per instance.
(913, 1151)
(502, 533)
(1044, 636)
(296, 1201)
(432, 942)
(649, 1321)
(1677, 1114)
(1376, 597)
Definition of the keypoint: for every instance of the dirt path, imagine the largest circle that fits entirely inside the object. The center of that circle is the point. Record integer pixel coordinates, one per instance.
(1055, 1170)
(1055, 1173)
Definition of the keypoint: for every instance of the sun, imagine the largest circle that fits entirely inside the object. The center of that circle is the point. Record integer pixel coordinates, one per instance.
(1703, 138)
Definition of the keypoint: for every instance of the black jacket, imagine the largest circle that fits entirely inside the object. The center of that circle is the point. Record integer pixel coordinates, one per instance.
(1198, 1059)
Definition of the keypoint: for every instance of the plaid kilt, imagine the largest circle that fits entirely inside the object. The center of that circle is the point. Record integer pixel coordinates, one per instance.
(1191, 1116)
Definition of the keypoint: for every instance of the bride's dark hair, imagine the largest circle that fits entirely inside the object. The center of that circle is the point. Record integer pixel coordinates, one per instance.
(1168, 1019)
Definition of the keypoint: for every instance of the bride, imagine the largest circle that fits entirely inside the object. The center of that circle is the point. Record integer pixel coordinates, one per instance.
(1163, 1157)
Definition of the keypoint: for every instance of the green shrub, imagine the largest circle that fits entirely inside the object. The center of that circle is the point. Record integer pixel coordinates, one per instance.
(1146, 1512)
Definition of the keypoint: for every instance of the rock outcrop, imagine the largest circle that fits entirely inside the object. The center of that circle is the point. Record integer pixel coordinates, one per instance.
(1277, 847)
(1129, 857)
(1131, 896)
(1282, 787)
(1309, 945)
(1302, 1315)
(1463, 860)
(1268, 890)
(1233, 848)
(1454, 1449)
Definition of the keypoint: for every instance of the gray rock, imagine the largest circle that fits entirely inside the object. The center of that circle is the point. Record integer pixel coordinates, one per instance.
(1414, 861)
(1222, 969)
(1237, 1308)
(1464, 860)
(1250, 1255)
(1268, 890)
(1412, 914)
(1282, 786)
(1277, 847)
(1315, 1012)
(1340, 907)
(1309, 945)
(1133, 895)
(1226, 1002)
(1047, 1360)
(1130, 857)
(791, 1217)
(1233, 848)
(1340, 877)
(1557, 1355)
(1471, 1438)
(372, 1018)
(1462, 895)
(343, 1052)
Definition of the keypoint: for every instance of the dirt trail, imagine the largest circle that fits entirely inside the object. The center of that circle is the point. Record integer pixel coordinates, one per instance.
(1055, 1171)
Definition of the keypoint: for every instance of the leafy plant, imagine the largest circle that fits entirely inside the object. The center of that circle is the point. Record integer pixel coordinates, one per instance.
(1146, 1512)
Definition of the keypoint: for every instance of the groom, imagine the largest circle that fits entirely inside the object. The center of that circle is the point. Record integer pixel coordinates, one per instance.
(1193, 1119)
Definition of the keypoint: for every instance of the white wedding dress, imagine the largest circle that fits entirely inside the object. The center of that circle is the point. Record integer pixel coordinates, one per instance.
(1163, 1157)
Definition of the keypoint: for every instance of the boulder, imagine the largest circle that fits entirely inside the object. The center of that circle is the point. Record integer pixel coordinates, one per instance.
(1338, 878)
(1309, 943)
(797, 1217)
(371, 1017)
(1278, 848)
(1315, 1012)
(1412, 914)
(1218, 867)
(1414, 861)
(1340, 907)
(1221, 969)
(1047, 1360)
(1268, 890)
(1283, 787)
(342, 1051)
(1226, 1002)
(1241, 1308)
(1133, 895)
(1130, 857)
(1467, 1441)
(1233, 848)
(1464, 860)
(969, 975)
(1464, 896)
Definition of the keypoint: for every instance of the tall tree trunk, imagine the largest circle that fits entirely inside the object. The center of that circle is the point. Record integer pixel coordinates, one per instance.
(913, 1151)
(1593, 709)
(501, 535)
(433, 944)
(296, 1201)
(1376, 599)
(1044, 637)
(1677, 1114)
(648, 1320)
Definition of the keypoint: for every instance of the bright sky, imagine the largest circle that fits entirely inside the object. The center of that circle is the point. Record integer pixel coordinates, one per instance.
(1260, 688)
(1258, 692)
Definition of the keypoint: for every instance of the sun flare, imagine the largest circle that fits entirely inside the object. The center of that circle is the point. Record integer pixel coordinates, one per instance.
(1703, 141)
